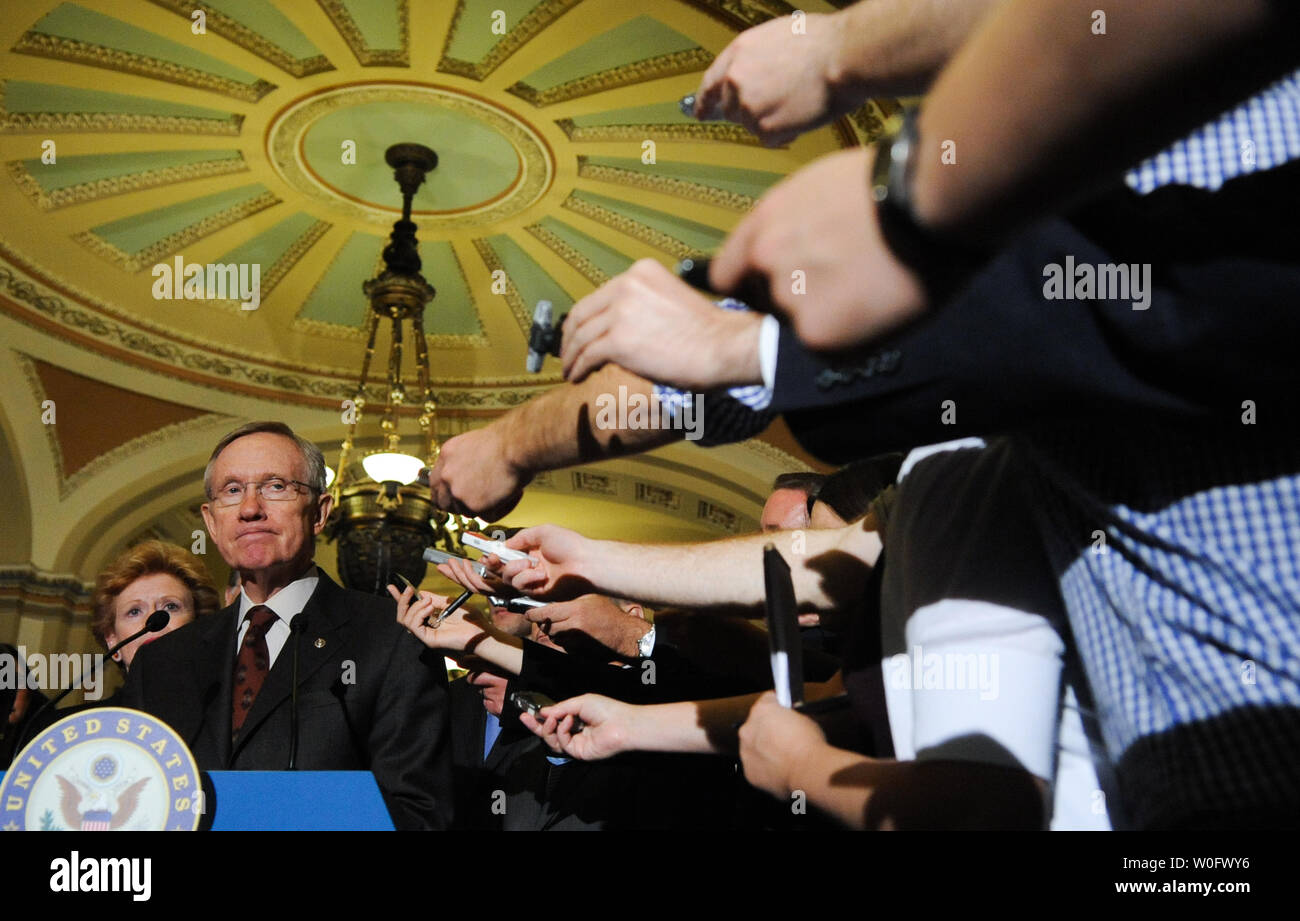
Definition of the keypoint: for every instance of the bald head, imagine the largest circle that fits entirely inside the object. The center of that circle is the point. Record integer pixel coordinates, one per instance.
(785, 510)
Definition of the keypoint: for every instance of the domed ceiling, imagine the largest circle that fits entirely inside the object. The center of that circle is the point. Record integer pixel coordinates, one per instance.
(139, 136)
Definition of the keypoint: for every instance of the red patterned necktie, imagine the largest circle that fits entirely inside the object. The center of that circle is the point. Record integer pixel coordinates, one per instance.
(252, 665)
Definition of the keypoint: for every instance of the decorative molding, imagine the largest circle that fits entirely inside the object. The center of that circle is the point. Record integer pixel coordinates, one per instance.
(330, 330)
(528, 28)
(633, 228)
(247, 39)
(150, 255)
(888, 107)
(717, 515)
(869, 123)
(272, 277)
(722, 132)
(658, 496)
(477, 340)
(126, 450)
(38, 391)
(162, 348)
(741, 14)
(682, 188)
(118, 185)
(67, 49)
(477, 399)
(523, 313)
(339, 331)
(289, 258)
(25, 584)
(588, 269)
(285, 133)
(774, 455)
(98, 122)
(211, 369)
(138, 445)
(655, 68)
(367, 56)
(207, 364)
(602, 484)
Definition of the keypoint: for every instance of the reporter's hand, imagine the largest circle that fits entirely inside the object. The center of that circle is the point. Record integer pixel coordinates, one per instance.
(772, 741)
(596, 617)
(779, 83)
(474, 477)
(608, 728)
(557, 564)
(465, 574)
(652, 323)
(455, 634)
(821, 221)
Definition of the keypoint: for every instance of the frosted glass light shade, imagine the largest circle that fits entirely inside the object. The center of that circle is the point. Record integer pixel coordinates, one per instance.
(392, 467)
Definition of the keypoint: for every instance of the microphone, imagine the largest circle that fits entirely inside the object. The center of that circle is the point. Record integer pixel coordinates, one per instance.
(544, 337)
(156, 623)
(296, 628)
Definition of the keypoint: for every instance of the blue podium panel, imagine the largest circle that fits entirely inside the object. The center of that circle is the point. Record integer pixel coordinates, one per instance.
(298, 801)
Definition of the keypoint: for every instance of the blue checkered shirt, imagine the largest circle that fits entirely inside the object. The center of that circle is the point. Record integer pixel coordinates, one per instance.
(1261, 133)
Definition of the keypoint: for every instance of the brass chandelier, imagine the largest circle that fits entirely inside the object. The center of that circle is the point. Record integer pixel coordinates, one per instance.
(383, 517)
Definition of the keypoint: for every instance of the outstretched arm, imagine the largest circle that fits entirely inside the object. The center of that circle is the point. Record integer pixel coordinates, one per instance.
(459, 632)
(1080, 98)
(1033, 112)
(828, 567)
(484, 472)
(783, 78)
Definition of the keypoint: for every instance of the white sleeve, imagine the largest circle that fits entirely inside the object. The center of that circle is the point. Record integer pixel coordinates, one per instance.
(769, 340)
(986, 684)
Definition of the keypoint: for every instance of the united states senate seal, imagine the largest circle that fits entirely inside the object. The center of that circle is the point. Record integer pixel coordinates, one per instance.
(106, 769)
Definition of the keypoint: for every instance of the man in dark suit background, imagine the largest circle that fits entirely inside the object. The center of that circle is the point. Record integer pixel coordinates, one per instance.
(370, 697)
(508, 780)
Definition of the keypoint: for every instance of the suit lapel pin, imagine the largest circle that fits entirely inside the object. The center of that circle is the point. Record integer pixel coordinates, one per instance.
(320, 642)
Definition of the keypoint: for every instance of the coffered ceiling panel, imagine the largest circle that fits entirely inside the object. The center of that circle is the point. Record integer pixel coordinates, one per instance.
(143, 136)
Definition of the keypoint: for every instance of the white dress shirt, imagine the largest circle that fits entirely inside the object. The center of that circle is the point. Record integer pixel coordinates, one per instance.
(287, 603)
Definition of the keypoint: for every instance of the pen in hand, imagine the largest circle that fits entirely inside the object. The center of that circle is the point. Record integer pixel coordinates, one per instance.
(451, 608)
(447, 611)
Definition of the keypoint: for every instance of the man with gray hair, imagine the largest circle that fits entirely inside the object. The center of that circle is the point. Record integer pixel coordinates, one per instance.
(369, 696)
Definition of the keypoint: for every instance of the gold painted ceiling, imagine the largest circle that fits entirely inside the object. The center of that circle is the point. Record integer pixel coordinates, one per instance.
(137, 136)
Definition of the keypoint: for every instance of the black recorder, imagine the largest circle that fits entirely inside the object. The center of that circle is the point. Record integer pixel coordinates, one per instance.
(532, 702)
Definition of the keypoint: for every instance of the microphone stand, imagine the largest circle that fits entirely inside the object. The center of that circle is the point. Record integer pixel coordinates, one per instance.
(296, 628)
(157, 622)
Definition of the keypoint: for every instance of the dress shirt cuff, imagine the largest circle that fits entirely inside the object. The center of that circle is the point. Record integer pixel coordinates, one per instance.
(769, 340)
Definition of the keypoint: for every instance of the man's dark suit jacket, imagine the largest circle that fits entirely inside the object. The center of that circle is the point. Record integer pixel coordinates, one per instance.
(516, 766)
(371, 697)
(629, 792)
(1220, 329)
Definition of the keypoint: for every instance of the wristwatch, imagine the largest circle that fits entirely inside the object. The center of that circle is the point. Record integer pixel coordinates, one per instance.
(929, 255)
(645, 646)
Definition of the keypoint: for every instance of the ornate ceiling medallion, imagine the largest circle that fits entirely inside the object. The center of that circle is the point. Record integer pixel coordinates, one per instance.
(507, 164)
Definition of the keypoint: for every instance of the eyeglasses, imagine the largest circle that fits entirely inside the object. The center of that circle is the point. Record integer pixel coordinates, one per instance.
(273, 490)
